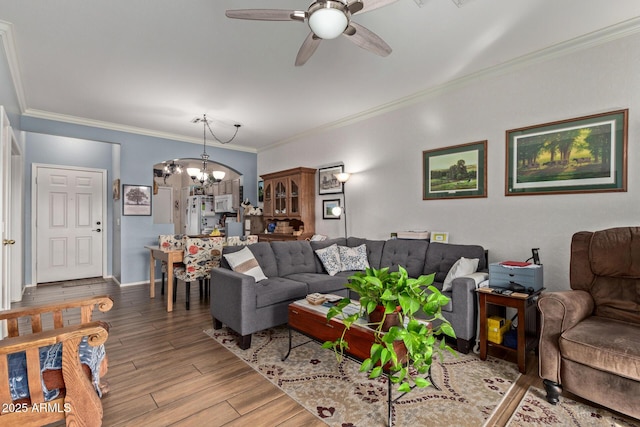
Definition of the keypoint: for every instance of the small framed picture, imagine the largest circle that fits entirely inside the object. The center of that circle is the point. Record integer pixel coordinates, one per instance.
(440, 236)
(327, 181)
(329, 210)
(136, 200)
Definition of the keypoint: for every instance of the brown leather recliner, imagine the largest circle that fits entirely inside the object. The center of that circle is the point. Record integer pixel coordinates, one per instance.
(590, 335)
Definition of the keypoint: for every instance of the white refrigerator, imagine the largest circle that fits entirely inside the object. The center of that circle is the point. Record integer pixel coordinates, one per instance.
(199, 215)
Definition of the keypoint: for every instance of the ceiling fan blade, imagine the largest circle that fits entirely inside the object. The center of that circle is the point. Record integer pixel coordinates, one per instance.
(307, 49)
(370, 5)
(267, 14)
(368, 40)
(355, 6)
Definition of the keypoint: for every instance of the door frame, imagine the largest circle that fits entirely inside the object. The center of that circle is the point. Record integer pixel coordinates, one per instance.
(34, 206)
(17, 286)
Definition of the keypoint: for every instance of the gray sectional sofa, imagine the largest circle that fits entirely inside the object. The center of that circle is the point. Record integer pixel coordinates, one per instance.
(294, 270)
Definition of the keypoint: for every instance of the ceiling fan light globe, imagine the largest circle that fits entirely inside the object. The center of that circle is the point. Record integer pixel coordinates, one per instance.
(328, 23)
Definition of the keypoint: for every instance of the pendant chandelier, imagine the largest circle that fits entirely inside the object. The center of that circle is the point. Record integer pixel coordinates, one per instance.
(201, 174)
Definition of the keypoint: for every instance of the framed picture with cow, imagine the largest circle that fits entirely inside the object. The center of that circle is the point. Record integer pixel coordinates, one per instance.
(582, 155)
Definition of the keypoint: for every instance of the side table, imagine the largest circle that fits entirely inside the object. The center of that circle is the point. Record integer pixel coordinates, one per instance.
(528, 322)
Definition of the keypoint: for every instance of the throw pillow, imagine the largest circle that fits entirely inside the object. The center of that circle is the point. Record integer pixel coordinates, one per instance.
(244, 262)
(353, 258)
(330, 257)
(460, 268)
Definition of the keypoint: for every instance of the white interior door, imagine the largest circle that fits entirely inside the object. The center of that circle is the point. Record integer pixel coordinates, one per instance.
(69, 223)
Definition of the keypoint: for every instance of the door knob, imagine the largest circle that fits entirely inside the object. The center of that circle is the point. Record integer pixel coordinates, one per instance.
(6, 242)
(97, 229)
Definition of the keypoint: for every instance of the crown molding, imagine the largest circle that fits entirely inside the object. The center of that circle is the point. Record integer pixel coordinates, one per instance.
(586, 41)
(47, 115)
(8, 42)
(9, 45)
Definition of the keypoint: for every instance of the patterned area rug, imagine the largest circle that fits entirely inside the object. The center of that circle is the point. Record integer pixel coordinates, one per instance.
(344, 397)
(534, 410)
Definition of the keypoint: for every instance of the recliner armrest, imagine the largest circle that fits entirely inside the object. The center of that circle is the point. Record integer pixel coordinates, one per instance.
(559, 311)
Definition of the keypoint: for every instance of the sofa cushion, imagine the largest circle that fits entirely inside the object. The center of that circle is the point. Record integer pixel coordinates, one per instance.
(261, 251)
(410, 254)
(353, 259)
(441, 257)
(321, 283)
(278, 289)
(606, 344)
(374, 249)
(244, 262)
(316, 245)
(330, 257)
(461, 267)
(294, 257)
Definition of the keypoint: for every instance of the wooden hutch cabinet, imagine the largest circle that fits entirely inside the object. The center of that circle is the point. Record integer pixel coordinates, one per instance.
(289, 196)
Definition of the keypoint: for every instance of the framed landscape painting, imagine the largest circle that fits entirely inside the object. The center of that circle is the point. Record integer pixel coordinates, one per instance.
(582, 155)
(136, 200)
(327, 209)
(456, 172)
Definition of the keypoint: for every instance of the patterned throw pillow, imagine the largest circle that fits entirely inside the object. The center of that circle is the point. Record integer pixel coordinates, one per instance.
(353, 258)
(244, 262)
(330, 257)
(462, 267)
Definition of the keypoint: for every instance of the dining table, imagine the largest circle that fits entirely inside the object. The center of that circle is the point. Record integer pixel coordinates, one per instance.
(171, 257)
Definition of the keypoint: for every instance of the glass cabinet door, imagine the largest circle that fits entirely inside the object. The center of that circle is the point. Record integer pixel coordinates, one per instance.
(268, 199)
(294, 195)
(280, 197)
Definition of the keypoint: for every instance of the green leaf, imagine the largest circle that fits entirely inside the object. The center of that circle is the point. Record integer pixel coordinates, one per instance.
(375, 350)
(328, 344)
(421, 382)
(404, 387)
(385, 356)
(371, 305)
(376, 372)
(367, 364)
(447, 329)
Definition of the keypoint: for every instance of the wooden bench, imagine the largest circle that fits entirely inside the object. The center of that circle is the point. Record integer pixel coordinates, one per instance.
(80, 404)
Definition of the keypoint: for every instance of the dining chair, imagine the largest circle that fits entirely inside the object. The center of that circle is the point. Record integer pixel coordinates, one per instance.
(242, 241)
(169, 241)
(201, 254)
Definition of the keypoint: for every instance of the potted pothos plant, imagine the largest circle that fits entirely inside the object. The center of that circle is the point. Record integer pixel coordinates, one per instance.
(395, 293)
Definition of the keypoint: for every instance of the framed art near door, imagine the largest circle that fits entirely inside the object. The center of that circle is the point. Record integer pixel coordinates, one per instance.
(136, 200)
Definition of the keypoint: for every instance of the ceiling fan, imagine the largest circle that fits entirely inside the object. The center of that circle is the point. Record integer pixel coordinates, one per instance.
(327, 20)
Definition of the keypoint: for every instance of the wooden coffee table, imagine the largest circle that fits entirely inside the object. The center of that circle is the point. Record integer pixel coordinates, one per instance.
(311, 320)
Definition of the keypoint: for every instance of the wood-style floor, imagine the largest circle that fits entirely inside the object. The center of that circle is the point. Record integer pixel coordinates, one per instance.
(164, 371)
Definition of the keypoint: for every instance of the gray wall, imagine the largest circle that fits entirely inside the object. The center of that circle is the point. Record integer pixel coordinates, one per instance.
(385, 154)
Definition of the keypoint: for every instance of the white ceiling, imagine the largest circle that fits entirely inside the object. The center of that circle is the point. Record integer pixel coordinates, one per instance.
(151, 66)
